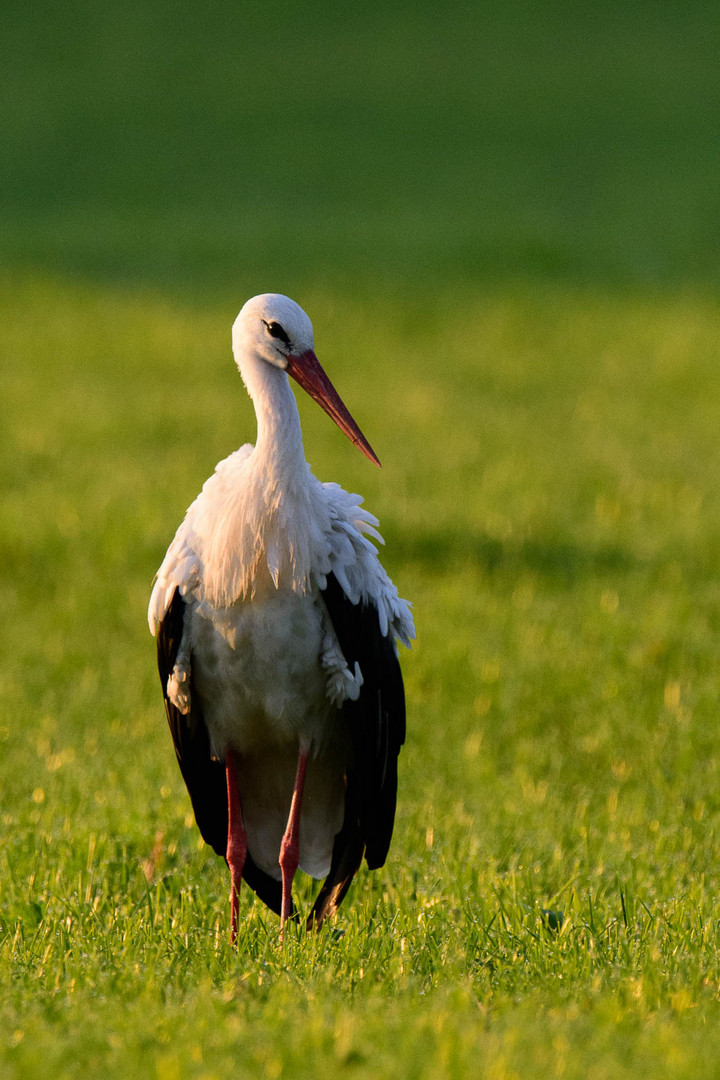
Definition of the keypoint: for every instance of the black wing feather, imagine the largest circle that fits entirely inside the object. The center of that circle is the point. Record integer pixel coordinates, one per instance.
(204, 777)
(377, 727)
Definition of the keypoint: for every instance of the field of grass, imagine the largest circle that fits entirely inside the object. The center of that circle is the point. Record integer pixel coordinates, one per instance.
(551, 503)
(241, 144)
(503, 221)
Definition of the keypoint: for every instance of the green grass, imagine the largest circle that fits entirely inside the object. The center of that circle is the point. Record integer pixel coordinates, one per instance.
(551, 504)
(245, 146)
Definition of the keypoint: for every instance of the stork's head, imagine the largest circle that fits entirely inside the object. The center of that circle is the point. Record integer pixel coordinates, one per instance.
(275, 329)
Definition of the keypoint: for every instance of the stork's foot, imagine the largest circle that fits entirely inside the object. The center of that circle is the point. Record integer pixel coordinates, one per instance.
(289, 859)
(236, 844)
(235, 882)
(290, 846)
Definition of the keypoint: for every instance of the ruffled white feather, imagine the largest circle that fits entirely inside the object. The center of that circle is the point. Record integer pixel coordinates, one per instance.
(238, 537)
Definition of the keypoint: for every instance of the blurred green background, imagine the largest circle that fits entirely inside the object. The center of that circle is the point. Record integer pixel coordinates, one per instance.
(242, 146)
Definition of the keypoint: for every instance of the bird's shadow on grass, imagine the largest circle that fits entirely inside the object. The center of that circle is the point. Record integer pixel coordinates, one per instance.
(440, 550)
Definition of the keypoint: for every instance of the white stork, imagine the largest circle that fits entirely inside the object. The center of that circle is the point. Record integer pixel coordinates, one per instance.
(276, 628)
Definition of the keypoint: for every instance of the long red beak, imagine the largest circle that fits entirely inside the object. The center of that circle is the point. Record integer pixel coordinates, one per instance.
(306, 370)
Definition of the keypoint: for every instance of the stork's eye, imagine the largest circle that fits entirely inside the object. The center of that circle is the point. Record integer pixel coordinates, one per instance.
(275, 330)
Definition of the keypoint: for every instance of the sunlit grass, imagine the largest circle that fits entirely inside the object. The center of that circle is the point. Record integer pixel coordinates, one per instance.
(551, 503)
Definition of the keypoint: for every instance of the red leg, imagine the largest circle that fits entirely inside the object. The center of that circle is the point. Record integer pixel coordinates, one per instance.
(236, 841)
(290, 846)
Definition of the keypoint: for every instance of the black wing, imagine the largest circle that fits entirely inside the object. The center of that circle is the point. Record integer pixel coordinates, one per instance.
(377, 727)
(204, 777)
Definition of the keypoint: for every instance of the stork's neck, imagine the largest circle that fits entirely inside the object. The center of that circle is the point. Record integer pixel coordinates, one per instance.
(279, 447)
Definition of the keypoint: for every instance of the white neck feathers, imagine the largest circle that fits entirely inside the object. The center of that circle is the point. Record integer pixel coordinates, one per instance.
(263, 518)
